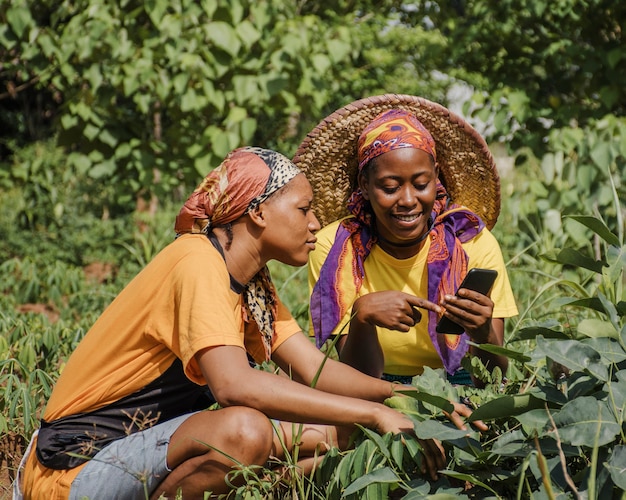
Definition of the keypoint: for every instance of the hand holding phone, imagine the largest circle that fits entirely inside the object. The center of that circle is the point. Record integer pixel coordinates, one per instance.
(477, 279)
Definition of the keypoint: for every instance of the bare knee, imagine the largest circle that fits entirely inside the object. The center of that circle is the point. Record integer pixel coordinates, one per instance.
(251, 430)
(240, 432)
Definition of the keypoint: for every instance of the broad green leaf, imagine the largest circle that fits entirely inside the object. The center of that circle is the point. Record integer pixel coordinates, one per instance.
(248, 33)
(384, 475)
(439, 402)
(598, 227)
(601, 154)
(617, 466)
(597, 328)
(503, 351)
(616, 396)
(104, 169)
(19, 17)
(534, 421)
(610, 349)
(571, 257)
(586, 421)
(224, 36)
(506, 406)
(469, 478)
(432, 429)
(532, 332)
(378, 440)
(574, 355)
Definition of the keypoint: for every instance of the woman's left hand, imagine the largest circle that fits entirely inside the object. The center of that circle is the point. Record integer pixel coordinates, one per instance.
(462, 412)
(472, 310)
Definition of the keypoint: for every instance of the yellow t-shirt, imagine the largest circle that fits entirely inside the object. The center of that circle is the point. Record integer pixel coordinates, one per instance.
(407, 353)
(181, 303)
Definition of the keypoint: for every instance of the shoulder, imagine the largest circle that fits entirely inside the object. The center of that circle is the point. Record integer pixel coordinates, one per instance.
(190, 254)
(482, 241)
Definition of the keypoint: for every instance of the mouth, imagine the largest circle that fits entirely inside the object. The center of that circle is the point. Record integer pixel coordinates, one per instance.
(407, 217)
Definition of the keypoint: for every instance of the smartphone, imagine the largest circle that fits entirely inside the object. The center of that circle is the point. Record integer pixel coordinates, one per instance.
(480, 280)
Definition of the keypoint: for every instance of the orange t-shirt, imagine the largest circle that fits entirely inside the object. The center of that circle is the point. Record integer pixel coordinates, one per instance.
(181, 303)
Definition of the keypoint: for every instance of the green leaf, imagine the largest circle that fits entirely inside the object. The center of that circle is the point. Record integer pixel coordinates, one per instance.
(19, 18)
(601, 154)
(438, 401)
(503, 351)
(616, 465)
(378, 440)
(384, 475)
(506, 406)
(571, 257)
(104, 169)
(469, 478)
(224, 36)
(586, 421)
(609, 348)
(432, 429)
(597, 328)
(574, 355)
(534, 421)
(530, 333)
(598, 227)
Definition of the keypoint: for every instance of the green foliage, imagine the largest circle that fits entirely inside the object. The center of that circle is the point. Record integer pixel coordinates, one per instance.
(158, 92)
(534, 64)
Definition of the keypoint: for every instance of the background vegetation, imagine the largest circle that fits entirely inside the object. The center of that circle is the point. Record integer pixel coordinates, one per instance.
(110, 112)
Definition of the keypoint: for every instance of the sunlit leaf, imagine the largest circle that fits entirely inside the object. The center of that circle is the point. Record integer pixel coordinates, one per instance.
(586, 421)
(574, 355)
(598, 227)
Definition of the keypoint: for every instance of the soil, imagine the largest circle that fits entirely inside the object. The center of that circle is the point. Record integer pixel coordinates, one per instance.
(12, 447)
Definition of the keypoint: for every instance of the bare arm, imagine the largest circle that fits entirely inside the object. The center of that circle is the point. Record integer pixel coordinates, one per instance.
(234, 383)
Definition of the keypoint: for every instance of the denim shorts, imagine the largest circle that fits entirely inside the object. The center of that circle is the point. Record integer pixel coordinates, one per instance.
(129, 468)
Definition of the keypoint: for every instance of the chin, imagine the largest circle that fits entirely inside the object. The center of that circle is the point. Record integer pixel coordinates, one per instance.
(295, 261)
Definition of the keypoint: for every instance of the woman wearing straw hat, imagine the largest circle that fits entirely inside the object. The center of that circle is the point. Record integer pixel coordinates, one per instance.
(407, 192)
(126, 419)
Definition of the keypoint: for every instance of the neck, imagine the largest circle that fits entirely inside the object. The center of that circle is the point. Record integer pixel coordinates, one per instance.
(397, 249)
(242, 261)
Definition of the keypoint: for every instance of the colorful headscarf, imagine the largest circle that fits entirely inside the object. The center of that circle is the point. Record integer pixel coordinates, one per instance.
(245, 179)
(446, 261)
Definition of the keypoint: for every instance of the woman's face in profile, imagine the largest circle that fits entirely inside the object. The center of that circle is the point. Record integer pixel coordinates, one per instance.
(401, 186)
(291, 225)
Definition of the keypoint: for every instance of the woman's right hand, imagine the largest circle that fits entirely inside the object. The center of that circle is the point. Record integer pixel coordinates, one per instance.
(392, 309)
(391, 420)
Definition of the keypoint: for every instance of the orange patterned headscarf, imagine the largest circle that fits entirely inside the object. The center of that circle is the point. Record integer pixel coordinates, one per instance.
(245, 179)
(393, 129)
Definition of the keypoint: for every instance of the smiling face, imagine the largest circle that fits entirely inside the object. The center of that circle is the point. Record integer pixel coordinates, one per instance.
(401, 186)
(289, 235)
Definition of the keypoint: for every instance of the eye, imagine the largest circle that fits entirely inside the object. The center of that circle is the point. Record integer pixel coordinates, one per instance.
(389, 189)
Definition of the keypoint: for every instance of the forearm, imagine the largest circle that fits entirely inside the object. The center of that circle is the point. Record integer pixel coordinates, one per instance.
(234, 383)
(308, 365)
(495, 337)
(288, 400)
(361, 348)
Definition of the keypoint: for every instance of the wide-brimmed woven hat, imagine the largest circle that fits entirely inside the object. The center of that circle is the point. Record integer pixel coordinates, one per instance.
(328, 156)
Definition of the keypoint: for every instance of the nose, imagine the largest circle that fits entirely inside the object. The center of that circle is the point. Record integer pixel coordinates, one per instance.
(408, 196)
(314, 224)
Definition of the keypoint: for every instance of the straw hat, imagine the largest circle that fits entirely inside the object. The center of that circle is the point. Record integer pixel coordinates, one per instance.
(328, 156)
